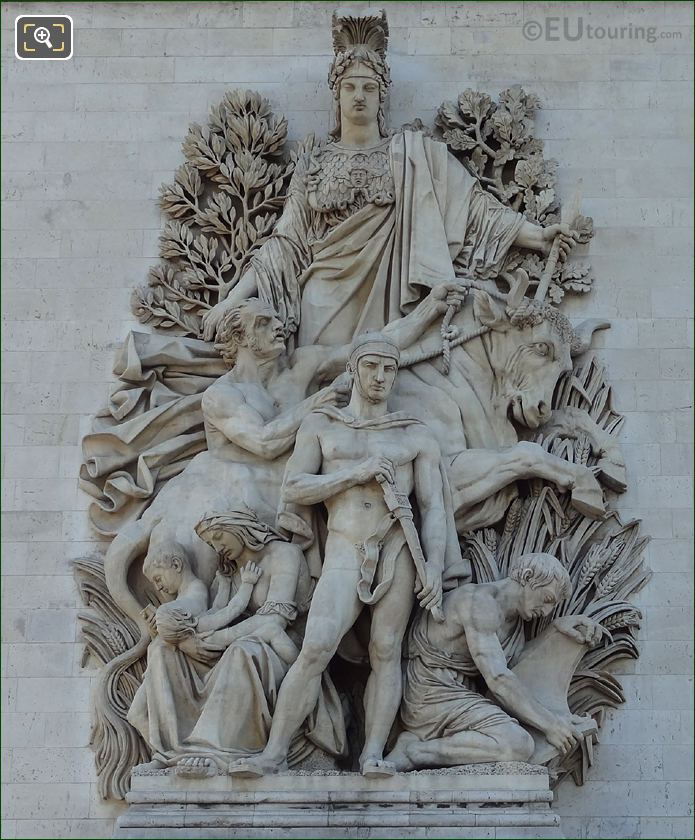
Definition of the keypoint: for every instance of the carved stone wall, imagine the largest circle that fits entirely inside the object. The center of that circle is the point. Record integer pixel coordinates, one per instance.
(87, 143)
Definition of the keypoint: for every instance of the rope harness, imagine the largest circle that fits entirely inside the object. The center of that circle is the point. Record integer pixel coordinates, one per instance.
(451, 336)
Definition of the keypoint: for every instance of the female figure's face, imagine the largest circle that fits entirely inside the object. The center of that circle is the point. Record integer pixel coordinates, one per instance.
(359, 100)
(227, 545)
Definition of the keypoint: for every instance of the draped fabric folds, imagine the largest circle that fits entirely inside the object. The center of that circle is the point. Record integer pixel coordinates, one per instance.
(151, 428)
(375, 266)
(439, 695)
(224, 711)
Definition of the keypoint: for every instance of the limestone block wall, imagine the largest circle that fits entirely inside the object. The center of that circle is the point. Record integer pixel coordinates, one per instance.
(86, 144)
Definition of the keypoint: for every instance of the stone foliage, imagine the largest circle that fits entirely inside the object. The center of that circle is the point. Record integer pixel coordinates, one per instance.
(496, 141)
(221, 207)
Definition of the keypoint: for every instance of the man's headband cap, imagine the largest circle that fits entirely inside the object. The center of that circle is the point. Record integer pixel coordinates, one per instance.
(373, 343)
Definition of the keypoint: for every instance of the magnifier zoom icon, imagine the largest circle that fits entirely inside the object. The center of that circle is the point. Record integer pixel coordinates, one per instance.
(43, 36)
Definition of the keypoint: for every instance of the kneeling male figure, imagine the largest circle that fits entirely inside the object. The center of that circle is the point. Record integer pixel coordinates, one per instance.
(447, 721)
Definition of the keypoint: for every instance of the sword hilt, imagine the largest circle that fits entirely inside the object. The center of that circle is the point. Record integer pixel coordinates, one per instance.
(398, 503)
(393, 497)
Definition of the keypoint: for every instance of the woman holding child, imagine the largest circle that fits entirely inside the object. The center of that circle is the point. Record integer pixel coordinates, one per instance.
(213, 674)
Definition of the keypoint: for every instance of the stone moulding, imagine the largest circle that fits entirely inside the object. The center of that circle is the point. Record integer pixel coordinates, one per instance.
(488, 800)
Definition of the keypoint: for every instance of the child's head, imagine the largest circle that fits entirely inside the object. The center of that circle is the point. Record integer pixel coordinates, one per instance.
(164, 565)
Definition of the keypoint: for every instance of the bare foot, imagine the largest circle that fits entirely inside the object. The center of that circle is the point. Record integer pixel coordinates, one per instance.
(399, 755)
(150, 765)
(196, 767)
(256, 766)
(377, 768)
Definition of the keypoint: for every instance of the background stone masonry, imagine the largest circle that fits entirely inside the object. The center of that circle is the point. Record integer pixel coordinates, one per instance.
(87, 143)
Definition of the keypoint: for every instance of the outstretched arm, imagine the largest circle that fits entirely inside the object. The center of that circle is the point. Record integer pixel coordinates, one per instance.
(481, 619)
(477, 474)
(241, 424)
(224, 588)
(404, 331)
(487, 652)
(228, 614)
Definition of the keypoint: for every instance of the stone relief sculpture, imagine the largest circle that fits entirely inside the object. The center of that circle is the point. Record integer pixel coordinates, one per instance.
(385, 418)
(445, 720)
(202, 662)
(223, 204)
(342, 458)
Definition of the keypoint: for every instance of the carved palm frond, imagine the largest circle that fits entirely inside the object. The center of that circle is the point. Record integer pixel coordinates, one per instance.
(221, 207)
(113, 639)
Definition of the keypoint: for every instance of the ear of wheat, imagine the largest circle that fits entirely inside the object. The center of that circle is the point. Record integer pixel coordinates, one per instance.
(583, 450)
(608, 584)
(513, 517)
(597, 561)
(490, 539)
(593, 564)
(624, 618)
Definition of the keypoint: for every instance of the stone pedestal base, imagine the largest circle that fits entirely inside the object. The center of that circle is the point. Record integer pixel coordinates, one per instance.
(504, 800)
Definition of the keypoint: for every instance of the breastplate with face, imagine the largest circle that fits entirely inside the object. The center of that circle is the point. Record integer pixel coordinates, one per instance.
(339, 182)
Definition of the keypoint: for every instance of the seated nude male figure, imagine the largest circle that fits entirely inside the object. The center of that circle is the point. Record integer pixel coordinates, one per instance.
(447, 721)
(339, 458)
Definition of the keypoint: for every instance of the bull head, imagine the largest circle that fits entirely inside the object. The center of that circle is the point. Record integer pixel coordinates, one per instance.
(528, 346)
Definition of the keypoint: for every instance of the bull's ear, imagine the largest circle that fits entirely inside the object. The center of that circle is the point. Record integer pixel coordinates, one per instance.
(489, 312)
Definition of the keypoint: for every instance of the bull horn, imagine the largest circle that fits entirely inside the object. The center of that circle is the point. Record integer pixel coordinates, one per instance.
(517, 292)
(583, 333)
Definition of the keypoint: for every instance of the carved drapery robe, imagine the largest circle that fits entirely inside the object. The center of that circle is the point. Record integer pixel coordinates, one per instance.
(440, 697)
(224, 711)
(334, 269)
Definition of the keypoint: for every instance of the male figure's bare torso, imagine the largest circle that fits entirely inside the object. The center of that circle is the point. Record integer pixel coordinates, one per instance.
(361, 508)
(229, 394)
(461, 608)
